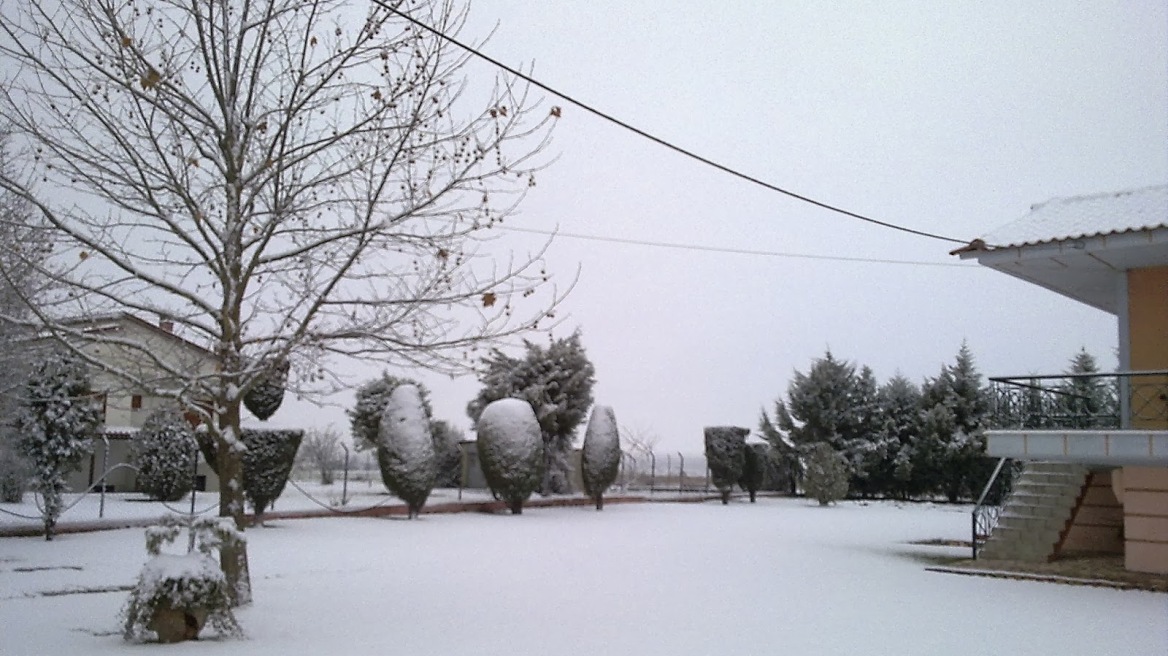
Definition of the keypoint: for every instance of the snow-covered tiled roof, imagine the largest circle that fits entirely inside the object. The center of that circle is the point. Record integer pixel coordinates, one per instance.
(1086, 216)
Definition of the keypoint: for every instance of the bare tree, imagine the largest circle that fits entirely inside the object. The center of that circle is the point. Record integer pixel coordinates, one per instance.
(639, 443)
(321, 450)
(284, 180)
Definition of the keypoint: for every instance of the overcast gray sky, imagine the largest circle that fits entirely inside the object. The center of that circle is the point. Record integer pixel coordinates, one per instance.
(950, 117)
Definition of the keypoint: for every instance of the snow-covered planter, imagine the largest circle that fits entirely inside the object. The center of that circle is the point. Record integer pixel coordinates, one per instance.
(510, 448)
(405, 452)
(177, 595)
(726, 456)
(600, 456)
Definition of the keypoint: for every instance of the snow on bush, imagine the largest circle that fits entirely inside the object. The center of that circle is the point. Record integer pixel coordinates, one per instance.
(726, 455)
(56, 424)
(405, 453)
(510, 448)
(164, 453)
(14, 472)
(267, 462)
(600, 457)
(754, 468)
(266, 394)
(826, 475)
(176, 594)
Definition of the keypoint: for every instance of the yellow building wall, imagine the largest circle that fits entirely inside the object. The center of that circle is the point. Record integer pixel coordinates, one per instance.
(1147, 291)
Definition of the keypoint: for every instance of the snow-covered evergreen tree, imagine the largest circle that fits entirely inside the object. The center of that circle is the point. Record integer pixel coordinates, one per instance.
(826, 478)
(406, 450)
(784, 466)
(447, 453)
(821, 405)
(56, 424)
(510, 448)
(601, 454)
(557, 382)
(956, 406)
(267, 462)
(754, 468)
(164, 451)
(365, 415)
(266, 394)
(726, 456)
(1087, 400)
(900, 401)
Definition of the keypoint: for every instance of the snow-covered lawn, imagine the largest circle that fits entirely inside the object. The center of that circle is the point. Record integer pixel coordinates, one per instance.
(777, 577)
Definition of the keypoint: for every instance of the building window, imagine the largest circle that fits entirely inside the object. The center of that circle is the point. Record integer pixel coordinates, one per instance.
(136, 402)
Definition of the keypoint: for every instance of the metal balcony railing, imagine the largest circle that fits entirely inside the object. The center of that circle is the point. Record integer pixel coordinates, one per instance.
(1121, 400)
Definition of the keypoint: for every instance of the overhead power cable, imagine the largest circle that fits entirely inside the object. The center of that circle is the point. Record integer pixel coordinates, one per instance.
(660, 141)
(735, 251)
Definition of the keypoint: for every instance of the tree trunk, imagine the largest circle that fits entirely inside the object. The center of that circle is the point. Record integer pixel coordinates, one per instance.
(516, 507)
(752, 493)
(232, 555)
(600, 502)
(725, 497)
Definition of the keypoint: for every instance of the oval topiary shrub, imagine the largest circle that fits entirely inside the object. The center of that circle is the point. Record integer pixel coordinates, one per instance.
(600, 456)
(510, 447)
(405, 452)
(164, 453)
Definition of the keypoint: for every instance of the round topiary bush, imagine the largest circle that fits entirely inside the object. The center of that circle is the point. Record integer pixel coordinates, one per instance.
(164, 453)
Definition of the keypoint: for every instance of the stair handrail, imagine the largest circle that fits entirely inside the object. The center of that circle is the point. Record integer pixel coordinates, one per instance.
(983, 515)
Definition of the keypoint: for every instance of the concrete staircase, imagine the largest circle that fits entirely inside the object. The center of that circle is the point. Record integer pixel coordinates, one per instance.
(1036, 512)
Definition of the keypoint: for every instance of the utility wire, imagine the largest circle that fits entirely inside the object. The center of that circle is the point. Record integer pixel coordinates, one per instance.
(678, 149)
(735, 251)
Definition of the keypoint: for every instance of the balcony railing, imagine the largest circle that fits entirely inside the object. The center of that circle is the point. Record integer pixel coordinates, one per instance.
(1121, 400)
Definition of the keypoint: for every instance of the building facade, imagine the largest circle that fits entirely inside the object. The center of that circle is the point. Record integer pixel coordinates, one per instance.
(1101, 439)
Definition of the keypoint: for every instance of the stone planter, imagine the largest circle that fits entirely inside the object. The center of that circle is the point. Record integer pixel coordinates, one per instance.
(177, 624)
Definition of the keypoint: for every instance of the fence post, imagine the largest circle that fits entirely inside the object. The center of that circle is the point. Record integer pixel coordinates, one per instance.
(194, 490)
(345, 482)
(652, 472)
(680, 473)
(104, 471)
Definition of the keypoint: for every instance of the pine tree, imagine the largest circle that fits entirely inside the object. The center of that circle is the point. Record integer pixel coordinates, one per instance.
(956, 406)
(784, 466)
(821, 404)
(164, 453)
(900, 429)
(726, 456)
(557, 381)
(601, 454)
(826, 480)
(510, 448)
(447, 453)
(56, 424)
(406, 451)
(1087, 400)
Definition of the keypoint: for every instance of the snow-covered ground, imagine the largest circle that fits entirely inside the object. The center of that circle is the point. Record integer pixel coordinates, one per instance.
(779, 576)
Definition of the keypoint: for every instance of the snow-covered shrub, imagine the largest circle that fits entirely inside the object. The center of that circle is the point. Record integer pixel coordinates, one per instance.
(447, 454)
(56, 424)
(557, 382)
(826, 475)
(726, 456)
(266, 395)
(510, 450)
(164, 453)
(14, 473)
(406, 450)
(267, 462)
(754, 468)
(600, 457)
(176, 594)
(365, 415)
